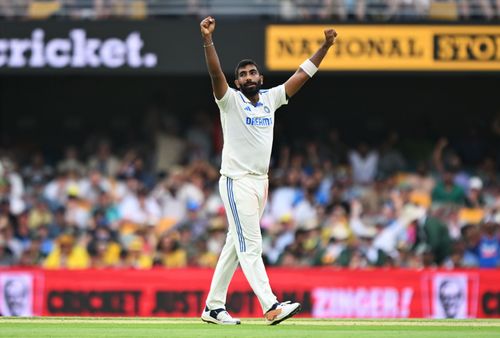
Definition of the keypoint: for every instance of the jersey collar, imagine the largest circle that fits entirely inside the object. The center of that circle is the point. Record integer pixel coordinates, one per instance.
(247, 101)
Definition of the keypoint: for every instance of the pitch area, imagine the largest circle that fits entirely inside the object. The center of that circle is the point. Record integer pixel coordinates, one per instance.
(75, 327)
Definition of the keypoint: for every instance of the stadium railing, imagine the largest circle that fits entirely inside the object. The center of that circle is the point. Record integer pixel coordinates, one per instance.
(298, 10)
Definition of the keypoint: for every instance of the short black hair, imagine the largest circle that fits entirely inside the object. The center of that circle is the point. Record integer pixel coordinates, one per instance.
(243, 63)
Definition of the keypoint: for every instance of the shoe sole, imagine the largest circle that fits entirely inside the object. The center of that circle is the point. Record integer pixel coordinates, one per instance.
(291, 314)
(216, 322)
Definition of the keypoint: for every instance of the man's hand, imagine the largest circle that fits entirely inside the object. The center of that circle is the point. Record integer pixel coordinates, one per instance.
(330, 35)
(207, 26)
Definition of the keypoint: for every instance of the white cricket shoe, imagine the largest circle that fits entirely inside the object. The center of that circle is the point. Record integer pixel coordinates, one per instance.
(281, 311)
(219, 316)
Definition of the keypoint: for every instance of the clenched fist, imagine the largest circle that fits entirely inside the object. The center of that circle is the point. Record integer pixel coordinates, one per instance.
(207, 26)
(330, 35)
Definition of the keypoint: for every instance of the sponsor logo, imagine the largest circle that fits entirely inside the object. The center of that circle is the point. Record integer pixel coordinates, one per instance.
(102, 302)
(450, 295)
(259, 121)
(463, 47)
(78, 50)
(387, 47)
(16, 294)
(190, 302)
(361, 302)
(491, 303)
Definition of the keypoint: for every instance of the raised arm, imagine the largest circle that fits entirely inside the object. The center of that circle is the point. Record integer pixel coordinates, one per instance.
(310, 66)
(219, 83)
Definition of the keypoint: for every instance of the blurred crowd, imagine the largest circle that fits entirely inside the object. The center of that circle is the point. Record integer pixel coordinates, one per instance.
(301, 10)
(330, 204)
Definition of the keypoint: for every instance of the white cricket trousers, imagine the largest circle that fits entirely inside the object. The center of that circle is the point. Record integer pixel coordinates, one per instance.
(244, 200)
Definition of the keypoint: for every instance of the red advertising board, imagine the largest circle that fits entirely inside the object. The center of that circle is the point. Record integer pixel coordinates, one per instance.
(323, 292)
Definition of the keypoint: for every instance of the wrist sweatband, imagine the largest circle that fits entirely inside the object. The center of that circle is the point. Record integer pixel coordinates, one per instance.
(309, 67)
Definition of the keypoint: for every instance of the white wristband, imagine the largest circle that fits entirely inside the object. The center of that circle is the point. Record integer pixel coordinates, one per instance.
(309, 67)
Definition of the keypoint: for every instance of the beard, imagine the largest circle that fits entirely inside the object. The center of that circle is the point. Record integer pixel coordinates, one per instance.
(250, 91)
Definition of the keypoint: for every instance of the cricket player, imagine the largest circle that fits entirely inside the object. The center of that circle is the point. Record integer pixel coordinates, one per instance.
(247, 117)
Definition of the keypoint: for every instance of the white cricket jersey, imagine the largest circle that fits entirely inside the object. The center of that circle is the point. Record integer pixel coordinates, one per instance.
(248, 131)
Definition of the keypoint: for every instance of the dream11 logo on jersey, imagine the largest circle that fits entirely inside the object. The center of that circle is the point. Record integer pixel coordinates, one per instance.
(75, 51)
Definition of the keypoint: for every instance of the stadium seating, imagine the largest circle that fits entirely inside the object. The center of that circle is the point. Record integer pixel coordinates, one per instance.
(40, 10)
(443, 10)
(138, 10)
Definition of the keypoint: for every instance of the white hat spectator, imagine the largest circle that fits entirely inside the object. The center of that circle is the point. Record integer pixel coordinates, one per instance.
(475, 183)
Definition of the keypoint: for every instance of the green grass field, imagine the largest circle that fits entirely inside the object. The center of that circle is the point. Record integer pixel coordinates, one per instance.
(74, 327)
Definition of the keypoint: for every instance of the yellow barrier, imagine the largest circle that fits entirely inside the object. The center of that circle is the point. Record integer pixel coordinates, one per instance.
(390, 47)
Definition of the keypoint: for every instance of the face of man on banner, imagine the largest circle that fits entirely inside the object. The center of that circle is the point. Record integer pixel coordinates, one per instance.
(451, 297)
(16, 295)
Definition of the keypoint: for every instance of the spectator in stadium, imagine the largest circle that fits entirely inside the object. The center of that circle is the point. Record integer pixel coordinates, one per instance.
(284, 198)
(333, 9)
(343, 10)
(169, 253)
(12, 8)
(364, 164)
(93, 185)
(22, 232)
(477, 10)
(71, 162)
(471, 236)
(194, 221)
(137, 169)
(459, 258)
(446, 191)
(337, 242)
(67, 254)
(6, 256)
(280, 235)
(109, 209)
(446, 159)
(39, 214)
(8, 233)
(77, 210)
(169, 146)
(104, 161)
(168, 193)
(103, 250)
(12, 185)
(134, 256)
(475, 196)
(488, 248)
(139, 208)
(59, 224)
(37, 169)
(177, 190)
(56, 191)
(106, 8)
(434, 234)
(289, 9)
(34, 254)
(391, 160)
